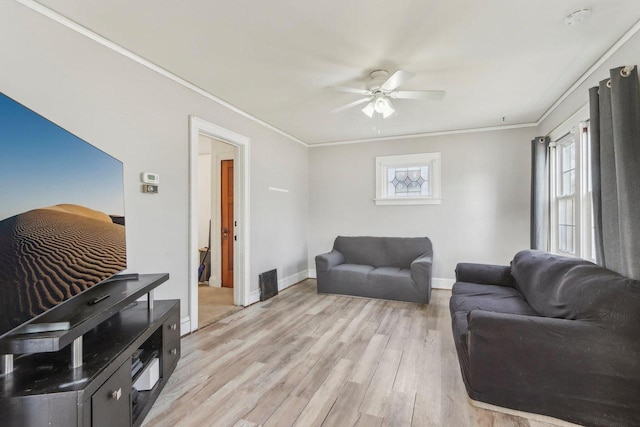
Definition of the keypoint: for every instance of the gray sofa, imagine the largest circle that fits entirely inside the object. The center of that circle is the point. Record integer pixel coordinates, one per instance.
(552, 335)
(395, 268)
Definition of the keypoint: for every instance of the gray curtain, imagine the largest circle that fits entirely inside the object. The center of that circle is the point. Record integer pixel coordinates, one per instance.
(540, 193)
(615, 170)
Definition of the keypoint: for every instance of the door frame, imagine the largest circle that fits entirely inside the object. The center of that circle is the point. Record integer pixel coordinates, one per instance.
(241, 176)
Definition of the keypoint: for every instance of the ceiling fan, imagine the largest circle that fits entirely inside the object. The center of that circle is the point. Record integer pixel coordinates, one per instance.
(381, 89)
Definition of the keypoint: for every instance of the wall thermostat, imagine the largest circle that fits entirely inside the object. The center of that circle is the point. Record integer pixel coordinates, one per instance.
(150, 178)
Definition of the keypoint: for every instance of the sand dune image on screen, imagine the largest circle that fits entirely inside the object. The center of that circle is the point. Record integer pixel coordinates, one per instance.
(50, 254)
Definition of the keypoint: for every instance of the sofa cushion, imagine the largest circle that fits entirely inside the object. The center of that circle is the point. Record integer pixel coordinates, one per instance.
(350, 279)
(382, 276)
(471, 296)
(571, 288)
(382, 251)
(352, 270)
(391, 272)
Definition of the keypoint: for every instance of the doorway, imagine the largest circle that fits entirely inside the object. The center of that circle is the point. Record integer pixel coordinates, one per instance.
(216, 223)
(218, 273)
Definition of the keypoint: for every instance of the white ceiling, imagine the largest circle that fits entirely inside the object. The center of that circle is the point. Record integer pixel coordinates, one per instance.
(275, 59)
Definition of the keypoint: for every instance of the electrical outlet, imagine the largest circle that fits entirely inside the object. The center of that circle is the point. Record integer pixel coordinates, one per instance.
(148, 188)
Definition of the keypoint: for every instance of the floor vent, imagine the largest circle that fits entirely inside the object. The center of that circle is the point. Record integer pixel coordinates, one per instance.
(268, 284)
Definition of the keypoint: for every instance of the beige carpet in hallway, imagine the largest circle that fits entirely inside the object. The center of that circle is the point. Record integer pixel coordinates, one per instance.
(214, 304)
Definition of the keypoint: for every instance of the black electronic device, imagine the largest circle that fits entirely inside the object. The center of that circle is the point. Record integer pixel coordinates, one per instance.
(62, 217)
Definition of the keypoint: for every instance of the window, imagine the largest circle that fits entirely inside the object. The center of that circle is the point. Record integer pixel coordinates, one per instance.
(572, 231)
(566, 199)
(412, 179)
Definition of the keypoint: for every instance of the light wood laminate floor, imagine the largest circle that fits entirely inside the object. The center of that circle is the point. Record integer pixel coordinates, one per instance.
(303, 359)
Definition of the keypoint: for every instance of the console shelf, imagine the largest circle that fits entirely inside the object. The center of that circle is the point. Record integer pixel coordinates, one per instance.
(81, 315)
(44, 389)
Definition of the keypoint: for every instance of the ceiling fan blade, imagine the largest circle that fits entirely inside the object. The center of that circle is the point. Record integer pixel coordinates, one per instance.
(351, 104)
(351, 90)
(434, 95)
(396, 80)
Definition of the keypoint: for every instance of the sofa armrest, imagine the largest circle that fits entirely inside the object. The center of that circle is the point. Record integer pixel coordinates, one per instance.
(421, 270)
(485, 274)
(421, 274)
(520, 355)
(325, 262)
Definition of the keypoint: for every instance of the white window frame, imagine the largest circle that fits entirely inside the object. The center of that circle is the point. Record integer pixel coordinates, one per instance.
(574, 129)
(586, 195)
(383, 163)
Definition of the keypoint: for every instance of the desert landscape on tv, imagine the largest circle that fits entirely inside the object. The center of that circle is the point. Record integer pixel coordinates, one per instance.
(61, 215)
(50, 254)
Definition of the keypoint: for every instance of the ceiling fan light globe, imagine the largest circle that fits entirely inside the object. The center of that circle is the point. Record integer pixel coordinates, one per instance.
(388, 111)
(369, 109)
(380, 105)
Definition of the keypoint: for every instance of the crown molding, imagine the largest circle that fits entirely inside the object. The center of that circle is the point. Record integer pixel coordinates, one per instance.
(427, 134)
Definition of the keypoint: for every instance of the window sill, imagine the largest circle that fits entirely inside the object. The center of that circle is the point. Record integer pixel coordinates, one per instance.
(409, 201)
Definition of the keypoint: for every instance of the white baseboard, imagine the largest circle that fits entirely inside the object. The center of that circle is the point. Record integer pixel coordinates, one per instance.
(254, 296)
(441, 283)
(312, 273)
(185, 326)
(292, 280)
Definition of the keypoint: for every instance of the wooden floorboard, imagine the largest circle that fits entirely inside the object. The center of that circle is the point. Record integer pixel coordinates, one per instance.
(309, 359)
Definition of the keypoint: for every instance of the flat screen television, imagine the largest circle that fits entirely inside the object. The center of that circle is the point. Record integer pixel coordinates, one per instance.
(62, 228)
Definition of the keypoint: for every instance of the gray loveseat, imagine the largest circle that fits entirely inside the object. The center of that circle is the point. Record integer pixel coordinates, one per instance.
(552, 335)
(395, 268)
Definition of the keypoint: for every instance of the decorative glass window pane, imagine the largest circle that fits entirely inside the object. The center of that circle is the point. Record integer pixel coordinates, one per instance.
(408, 181)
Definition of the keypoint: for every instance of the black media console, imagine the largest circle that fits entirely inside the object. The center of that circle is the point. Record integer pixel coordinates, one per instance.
(80, 373)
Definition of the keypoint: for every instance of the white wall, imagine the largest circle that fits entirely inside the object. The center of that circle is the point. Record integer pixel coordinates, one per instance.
(141, 118)
(484, 216)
